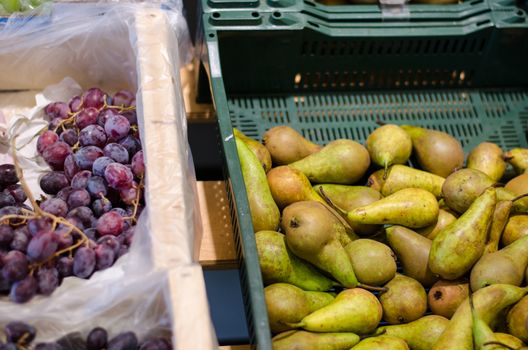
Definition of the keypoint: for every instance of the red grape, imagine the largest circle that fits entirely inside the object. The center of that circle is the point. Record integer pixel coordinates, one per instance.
(47, 280)
(92, 135)
(6, 200)
(17, 192)
(124, 98)
(8, 175)
(94, 97)
(86, 156)
(97, 339)
(132, 144)
(70, 166)
(20, 241)
(16, 266)
(117, 152)
(79, 198)
(110, 223)
(55, 206)
(127, 340)
(80, 180)
(57, 110)
(118, 176)
(83, 262)
(39, 225)
(56, 153)
(117, 127)
(128, 195)
(53, 182)
(87, 116)
(104, 115)
(69, 136)
(75, 104)
(100, 164)
(131, 117)
(156, 344)
(6, 235)
(65, 193)
(42, 246)
(22, 291)
(104, 255)
(65, 266)
(96, 186)
(46, 139)
(101, 206)
(138, 164)
(20, 333)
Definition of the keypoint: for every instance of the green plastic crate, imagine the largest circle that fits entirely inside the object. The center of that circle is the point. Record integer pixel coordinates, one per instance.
(468, 78)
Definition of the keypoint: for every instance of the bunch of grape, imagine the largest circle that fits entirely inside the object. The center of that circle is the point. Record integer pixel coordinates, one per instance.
(94, 196)
(19, 336)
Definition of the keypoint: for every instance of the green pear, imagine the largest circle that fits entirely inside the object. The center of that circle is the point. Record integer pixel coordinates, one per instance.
(288, 304)
(382, 342)
(498, 223)
(351, 197)
(445, 297)
(464, 186)
(444, 219)
(401, 176)
(286, 145)
(353, 310)
(376, 180)
(289, 185)
(421, 334)
(297, 340)
(437, 152)
(517, 320)
(373, 262)
(340, 162)
(509, 340)
(258, 149)
(482, 333)
(458, 246)
(388, 145)
(412, 250)
(520, 203)
(264, 212)
(487, 157)
(489, 302)
(516, 227)
(518, 158)
(404, 301)
(279, 264)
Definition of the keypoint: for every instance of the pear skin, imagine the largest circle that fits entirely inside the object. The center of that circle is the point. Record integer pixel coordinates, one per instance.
(499, 221)
(517, 320)
(520, 205)
(437, 152)
(411, 207)
(518, 185)
(388, 145)
(405, 301)
(340, 162)
(279, 264)
(382, 342)
(376, 181)
(487, 157)
(461, 188)
(412, 250)
(289, 185)
(264, 212)
(258, 149)
(445, 218)
(421, 334)
(445, 297)
(516, 227)
(459, 246)
(286, 145)
(297, 340)
(401, 176)
(482, 333)
(518, 158)
(509, 340)
(374, 263)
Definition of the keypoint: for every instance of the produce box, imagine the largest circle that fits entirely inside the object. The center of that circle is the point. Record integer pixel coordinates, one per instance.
(332, 80)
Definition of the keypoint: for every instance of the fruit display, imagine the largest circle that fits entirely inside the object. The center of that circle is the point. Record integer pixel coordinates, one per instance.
(93, 196)
(401, 243)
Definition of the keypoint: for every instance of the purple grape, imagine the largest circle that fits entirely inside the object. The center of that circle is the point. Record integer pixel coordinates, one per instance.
(53, 182)
(48, 346)
(129, 235)
(65, 193)
(47, 280)
(118, 176)
(22, 291)
(87, 116)
(84, 214)
(131, 117)
(56, 153)
(42, 246)
(69, 136)
(105, 256)
(75, 104)
(46, 139)
(132, 144)
(117, 152)
(104, 115)
(84, 262)
(92, 135)
(57, 110)
(39, 225)
(129, 195)
(123, 341)
(138, 164)
(75, 221)
(65, 266)
(10, 210)
(54, 124)
(91, 233)
(55, 206)
(124, 98)
(86, 156)
(80, 180)
(8, 175)
(20, 241)
(97, 339)
(156, 344)
(110, 223)
(110, 241)
(101, 206)
(16, 266)
(19, 332)
(6, 200)
(6, 235)
(94, 97)
(100, 164)
(17, 192)
(63, 237)
(70, 166)
(116, 127)
(96, 186)
(79, 198)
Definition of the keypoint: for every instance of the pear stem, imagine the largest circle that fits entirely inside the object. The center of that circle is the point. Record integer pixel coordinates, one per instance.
(386, 171)
(331, 204)
(376, 289)
(499, 343)
(520, 197)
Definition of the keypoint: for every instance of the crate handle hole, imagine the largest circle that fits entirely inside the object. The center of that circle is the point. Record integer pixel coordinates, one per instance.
(255, 14)
(211, 35)
(216, 15)
(277, 14)
(520, 13)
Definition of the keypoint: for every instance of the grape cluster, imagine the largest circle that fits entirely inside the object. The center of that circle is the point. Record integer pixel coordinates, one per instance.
(93, 196)
(19, 336)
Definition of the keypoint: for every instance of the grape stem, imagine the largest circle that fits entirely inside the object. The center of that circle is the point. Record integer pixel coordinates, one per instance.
(64, 121)
(136, 202)
(15, 216)
(23, 183)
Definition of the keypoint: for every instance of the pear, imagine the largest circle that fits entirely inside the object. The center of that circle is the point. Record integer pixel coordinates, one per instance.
(444, 219)
(288, 304)
(401, 176)
(421, 334)
(482, 333)
(517, 320)
(258, 149)
(340, 162)
(374, 263)
(382, 342)
(500, 218)
(458, 246)
(405, 301)
(289, 185)
(376, 180)
(487, 157)
(445, 297)
(516, 228)
(489, 302)
(351, 197)
(264, 212)
(437, 152)
(412, 250)
(518, 185)
(518, 158)
(286, 145)
(509, 340)
(461, 188)
(279, 264)
(520, 203)
(388, 145)
(353, 310)
(297, 340)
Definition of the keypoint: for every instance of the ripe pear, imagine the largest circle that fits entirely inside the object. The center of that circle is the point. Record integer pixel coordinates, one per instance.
(421, 334)
(507, 265)
(445, 297)
(518, 185)
(405, 300)
(444, 219)
(437, 152)
(288, 304)
(401, 176)
(289, 185)
(351, 197)
(296, 340)
(264, 212)
(516, 228)
(482, 333)
(382, 342)
(461, 188)
(518, 158)
(340, 162)
(353, 310)
(374, 263)
(458, 246)
(517, 320)
(520, 203)
(413, 251)
(509, 340)
(499, 221)
(376, 180)
(487, 157)
(279, 264)
(388, 145)
(286, 145)
(258, 149)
